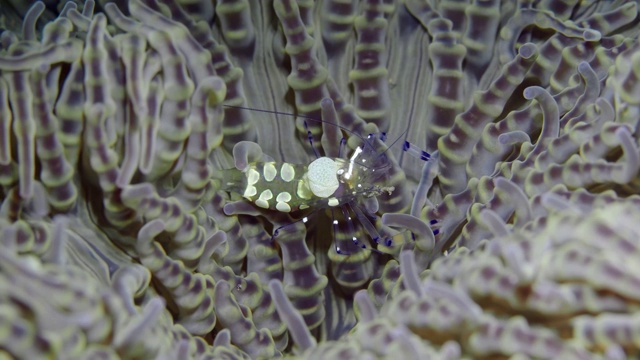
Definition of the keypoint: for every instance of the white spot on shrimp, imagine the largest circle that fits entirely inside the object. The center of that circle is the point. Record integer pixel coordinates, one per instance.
(263, 200)
(252, 176)
(303, 190)
(270, 172)
(333, 202)
(282, 199)
(283, 207)
(250, 191)
(323, 178)
(287, 172)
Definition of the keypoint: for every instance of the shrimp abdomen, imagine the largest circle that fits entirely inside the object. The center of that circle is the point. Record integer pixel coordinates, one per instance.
(271, 185)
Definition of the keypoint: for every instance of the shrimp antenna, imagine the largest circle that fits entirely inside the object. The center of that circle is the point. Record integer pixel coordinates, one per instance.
(295, 115)
(407, 146)
(383, 137)
(304, 117)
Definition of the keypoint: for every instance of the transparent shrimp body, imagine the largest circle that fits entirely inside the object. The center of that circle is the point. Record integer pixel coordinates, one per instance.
(289, 187)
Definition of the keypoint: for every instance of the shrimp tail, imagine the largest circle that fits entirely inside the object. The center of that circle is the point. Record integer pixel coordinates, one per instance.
(230, 180)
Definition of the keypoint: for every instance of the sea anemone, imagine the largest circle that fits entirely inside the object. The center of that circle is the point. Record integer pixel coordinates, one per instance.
(515, 238)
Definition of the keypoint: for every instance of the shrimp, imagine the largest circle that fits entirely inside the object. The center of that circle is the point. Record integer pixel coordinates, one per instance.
(344, 182)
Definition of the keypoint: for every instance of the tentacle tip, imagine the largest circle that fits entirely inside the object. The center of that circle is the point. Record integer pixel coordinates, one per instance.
(155, 226)
(137, 191)
(583, 67)
(228, 209)
(592, 35)
(530, 92)
(326, 102)
(528, 50)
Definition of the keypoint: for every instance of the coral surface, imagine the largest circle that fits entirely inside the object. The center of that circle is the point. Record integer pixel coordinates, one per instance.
(514, 234)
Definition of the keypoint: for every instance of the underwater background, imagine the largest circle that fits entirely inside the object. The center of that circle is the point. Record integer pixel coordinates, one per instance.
(518, 238)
